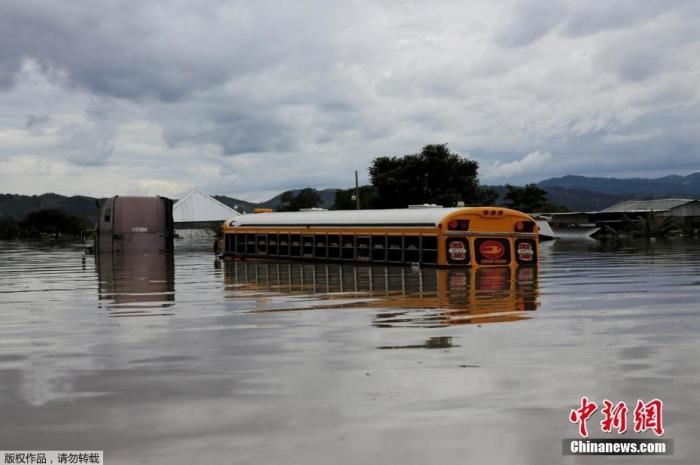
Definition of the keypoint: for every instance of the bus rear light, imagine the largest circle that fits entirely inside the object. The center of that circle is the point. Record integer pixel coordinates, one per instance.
(458, 225)
(525, 226)
(492, 213)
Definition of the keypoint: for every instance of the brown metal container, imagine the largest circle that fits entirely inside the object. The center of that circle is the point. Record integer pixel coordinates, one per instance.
(135, 224)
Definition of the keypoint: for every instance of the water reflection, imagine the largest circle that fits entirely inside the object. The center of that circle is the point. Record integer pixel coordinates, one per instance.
(136, 284)
(425, 297)
(437, 342)
(220, 384)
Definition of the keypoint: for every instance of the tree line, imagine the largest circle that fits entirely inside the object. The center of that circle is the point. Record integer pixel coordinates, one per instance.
(435, 175)
(46, 223)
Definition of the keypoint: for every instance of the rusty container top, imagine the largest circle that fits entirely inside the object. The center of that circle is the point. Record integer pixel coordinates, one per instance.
(139, 215)
(135, 224)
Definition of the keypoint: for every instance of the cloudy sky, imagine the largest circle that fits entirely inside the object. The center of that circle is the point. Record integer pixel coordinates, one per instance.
(253, 98)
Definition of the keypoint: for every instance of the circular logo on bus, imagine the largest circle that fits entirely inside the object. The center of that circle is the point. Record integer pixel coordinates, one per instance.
(525, 252)
(457, 250)
(492, 250)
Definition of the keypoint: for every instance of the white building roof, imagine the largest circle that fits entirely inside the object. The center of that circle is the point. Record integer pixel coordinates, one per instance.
(198, 207)
(399, 216)
(657, 205)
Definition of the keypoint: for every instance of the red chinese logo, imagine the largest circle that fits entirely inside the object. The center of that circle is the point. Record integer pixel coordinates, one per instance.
(615, 417)
(647, 416)
(582, 415)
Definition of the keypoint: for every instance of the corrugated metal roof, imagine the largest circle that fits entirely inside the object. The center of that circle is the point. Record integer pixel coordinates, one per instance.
(405, 216)
(656, 205)
(199, 207)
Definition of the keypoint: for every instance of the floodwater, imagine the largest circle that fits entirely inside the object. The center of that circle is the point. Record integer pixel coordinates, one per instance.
(156, 359)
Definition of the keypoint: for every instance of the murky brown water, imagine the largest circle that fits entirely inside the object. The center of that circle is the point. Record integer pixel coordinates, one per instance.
(191, 360)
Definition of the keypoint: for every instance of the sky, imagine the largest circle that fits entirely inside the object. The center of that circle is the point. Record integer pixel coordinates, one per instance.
(253, 98)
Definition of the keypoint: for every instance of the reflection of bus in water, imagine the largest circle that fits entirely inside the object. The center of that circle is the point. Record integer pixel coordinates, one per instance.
(404, 296)
(449, 237)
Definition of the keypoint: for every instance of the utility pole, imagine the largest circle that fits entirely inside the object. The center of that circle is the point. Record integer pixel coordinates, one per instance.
(357, 192)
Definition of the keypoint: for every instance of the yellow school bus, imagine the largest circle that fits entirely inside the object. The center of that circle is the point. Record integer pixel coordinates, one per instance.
(435, 236)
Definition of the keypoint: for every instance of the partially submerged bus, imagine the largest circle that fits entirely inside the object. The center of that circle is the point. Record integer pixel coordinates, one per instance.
(445, 237)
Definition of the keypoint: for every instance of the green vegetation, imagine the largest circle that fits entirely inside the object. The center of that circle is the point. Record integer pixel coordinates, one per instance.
(46, 223)
(435, 175)
(650, 225)
(576, 193)
(530, 199)
(19, 206)
(344, 198)
(305, 198)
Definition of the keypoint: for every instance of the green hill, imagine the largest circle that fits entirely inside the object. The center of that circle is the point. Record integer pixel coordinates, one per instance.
(577, 193)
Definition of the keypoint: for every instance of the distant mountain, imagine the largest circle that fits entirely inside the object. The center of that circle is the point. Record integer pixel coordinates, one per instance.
(579, 200)
(573, 199)
(238, 204)
(667, 186)
(327, 199)
(19, 206)
(577, 193)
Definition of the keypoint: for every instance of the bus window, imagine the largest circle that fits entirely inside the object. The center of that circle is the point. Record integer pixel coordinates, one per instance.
(334, 247)
(250, 242)
(295, 247)
(272, 244)
(394, 249)
(320, 249)
(283, 244)
(379, 248)
(348, 247)
(307, 246)
(261, 240)
(411, 248)
(362, 248)
(240, 243)
(429, 252)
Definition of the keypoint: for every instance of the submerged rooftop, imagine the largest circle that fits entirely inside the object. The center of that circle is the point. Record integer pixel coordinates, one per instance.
(198, 207)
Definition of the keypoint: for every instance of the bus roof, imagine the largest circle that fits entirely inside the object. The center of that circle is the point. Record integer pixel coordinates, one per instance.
(425, 217)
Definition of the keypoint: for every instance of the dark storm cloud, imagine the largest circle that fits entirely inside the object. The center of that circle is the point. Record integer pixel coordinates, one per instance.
(157, 50)
(268, 95)
(167, 53)
(529, 20)
(237, 133)
(121, 49)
